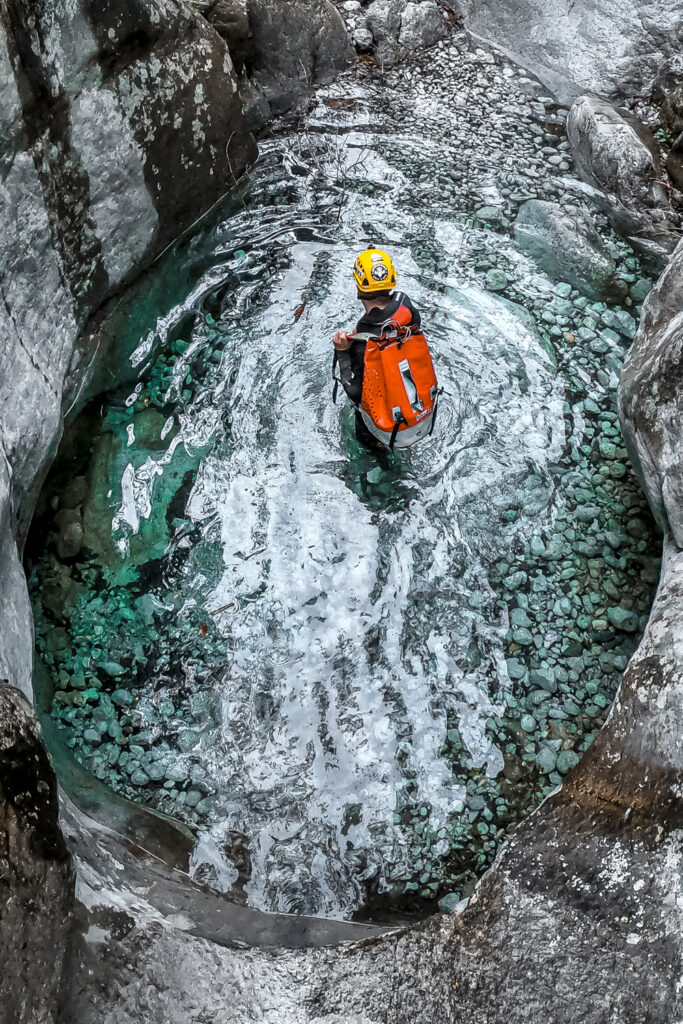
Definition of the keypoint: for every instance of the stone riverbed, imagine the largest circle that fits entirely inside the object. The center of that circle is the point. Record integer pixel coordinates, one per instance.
(352, 677)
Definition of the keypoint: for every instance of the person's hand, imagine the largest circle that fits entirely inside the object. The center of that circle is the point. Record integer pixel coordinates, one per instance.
(342, 342)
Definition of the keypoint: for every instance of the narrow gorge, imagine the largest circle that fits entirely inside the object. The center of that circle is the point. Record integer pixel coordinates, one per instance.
(328, 737)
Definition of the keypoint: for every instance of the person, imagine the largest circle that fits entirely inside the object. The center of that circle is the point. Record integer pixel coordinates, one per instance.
(375, 278)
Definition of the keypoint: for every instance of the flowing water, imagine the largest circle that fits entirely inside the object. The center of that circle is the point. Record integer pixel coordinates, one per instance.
(321, 657)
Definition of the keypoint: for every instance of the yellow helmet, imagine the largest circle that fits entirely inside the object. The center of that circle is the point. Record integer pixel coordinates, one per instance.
(373, 271)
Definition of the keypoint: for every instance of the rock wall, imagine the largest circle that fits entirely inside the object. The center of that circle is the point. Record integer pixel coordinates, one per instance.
(36, 883)
(613, 48)
(119, 124)
(651, 399)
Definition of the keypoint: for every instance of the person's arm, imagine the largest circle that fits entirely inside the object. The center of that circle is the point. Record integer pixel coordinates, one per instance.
(350, 366)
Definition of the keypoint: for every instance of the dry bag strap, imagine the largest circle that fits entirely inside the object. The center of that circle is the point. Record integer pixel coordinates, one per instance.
(436, 409)
(335, 388)
(401, 419)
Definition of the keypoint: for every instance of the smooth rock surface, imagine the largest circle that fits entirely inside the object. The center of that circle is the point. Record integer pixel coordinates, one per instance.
(564, 243)
(616, 155)
(651, 398)
(574, 46)
(298, 42)
(36, 882)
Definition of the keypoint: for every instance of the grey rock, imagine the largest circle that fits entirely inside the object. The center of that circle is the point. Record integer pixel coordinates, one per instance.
(617, 155)
(651, 402)
(422, 25)
(230, 18)
(542, 679)
(496, 280)
(623, 618)
(122, 698)
(295, 44)
(383, 19)
(36, 873)
(546, 759)
(578, 46)
(362, 38)
(563, 242)
(74, 493)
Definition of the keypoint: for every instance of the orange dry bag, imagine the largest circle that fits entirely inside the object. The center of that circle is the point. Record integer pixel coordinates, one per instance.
(400, 389)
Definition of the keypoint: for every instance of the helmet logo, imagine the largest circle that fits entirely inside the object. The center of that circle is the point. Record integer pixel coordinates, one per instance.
(379, 272)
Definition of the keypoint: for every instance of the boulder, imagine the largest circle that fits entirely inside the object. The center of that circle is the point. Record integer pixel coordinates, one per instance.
(384, 21)
(616, 155)
(230, 18)
(564, 244)
(121, 124)
(422, 25)
(36, 879)
(399, 26)
(295, 44)
(280, 50)
(651, 398)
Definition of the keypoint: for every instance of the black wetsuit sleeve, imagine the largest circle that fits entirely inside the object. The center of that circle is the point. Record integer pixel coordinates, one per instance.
(417, 320)
(350, 365)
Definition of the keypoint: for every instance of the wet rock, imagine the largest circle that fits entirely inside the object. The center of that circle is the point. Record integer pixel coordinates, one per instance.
(623, 618)
(69, 537)
(122, 698)
(496, 280)
(295, 44)
(542, 679)
(617, 155)
(566, 246)
(35, 869)
(422, 25)
(577, 46)
(546, 760)
(75, 492)
(651, 402)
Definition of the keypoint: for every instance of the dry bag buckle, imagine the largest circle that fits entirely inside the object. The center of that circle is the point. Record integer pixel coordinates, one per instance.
(393, 331)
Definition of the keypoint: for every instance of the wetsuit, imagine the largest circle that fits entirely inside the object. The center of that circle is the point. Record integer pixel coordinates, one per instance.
(351, 362)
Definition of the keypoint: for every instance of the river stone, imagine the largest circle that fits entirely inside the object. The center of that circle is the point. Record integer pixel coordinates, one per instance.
(566, 760)
(546, 759)
(69, 538)
(516, 670)
(75, 492)
(496, 280)
(122, 698)
(564, 244)
(542, 679)
(623, 619)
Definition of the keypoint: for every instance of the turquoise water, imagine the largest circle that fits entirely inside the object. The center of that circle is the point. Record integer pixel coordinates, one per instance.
(352, 675)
